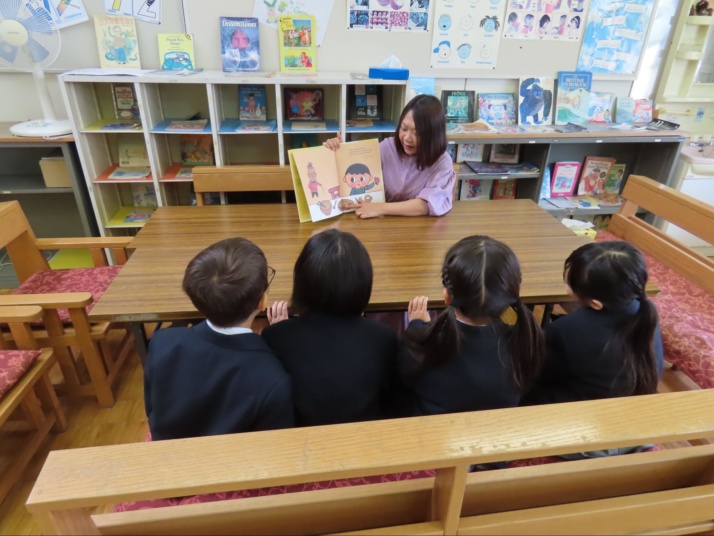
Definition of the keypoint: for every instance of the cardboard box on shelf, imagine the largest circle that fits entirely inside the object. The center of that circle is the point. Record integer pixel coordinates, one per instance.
(55, 172)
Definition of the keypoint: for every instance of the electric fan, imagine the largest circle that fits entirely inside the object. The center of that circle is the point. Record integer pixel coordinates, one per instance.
(30, 41)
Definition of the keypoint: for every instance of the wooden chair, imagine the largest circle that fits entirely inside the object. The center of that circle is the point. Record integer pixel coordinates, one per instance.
(82, 348)
(25, 385)
(247, 178)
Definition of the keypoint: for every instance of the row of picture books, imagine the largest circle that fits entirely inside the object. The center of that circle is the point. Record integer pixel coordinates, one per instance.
(118, 45)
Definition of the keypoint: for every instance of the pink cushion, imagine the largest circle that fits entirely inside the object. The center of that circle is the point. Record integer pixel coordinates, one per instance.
(13, 366)
(544, 460)
(686, 318)
(94, 280)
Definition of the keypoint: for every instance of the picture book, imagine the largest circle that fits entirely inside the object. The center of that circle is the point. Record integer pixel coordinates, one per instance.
(422, 85)
(196, 150)
(469, 151)
(510, 129)
(497, 108)
(451, 151)
(565, 177)
(661, 124)
(458, 105)
(121, 125)
(176, 52)
(571, 105)
(570, 128)
(144, 195)
(486, 168)
(625, 110)
(252, 103)
(562, 202)
(524, 168)
(505, 189)
(178, 172)
(125, 103)
(132, 153)
(600, 108)
(643, 111)
(130, 173)
(187, 124)
(594, 174)
(256, 126)
(505, 153)
(303, 103)
(585, 201)
(465, 128)
(535, 100)
(608, 199)
(138, 216)
(476, 190)
(117, 42)
(613, 182)
(329, 183)
(298, 51)
(240, 44)
(364, 101)
(308, 125)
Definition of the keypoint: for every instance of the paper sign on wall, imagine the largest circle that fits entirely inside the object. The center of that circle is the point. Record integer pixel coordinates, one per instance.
(144, 10)
(65, 12)
(268, 11)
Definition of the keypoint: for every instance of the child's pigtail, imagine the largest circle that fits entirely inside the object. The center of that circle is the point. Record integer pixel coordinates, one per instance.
(436, 343)
(637, 337)
(526, 346)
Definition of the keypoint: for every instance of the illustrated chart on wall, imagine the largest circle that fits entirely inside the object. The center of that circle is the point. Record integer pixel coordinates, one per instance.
(144, 10)
(389, 15)
(554, 20)
(64, 13)
(269, 11)
(466, 35)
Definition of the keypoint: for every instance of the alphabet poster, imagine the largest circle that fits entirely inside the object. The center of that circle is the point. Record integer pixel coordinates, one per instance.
(550, 20)
(614, 36)
(467, 33)
(389, 15)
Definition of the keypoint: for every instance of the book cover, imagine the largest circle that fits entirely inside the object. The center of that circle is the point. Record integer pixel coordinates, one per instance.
(308, 125)
(187, 124)
(178, 171)
(329, 183)
(303, 103)
(123, 125)
(451, 151)
(497, 108)
(124, 100)
(486, 168)
(137, 216)
(565, 177)
(510, 129)
(196, 150)
(458, 105)
(240, 44)
(144, 195)
(625, 110)
(613, 182)
(466, 128)
(364, 101)
(469, 151)
(422, 85)
(573, 100)
(117, 42)
(298, 51)
(252, 103)
(176, 52)
(505, 153)
(592, 178)
(256, 126)
(132, 153)
(535, 100)
(569, 128)
(661, 124)
(505, 189)
(562, 202)
(130, 173)
(584, 201)
(476, 190)
(600, 108)
(642, 112)
(524, 168)
(608, 199)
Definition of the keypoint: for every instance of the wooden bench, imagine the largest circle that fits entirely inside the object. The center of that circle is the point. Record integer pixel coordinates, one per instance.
(245, 178)
(668, 491)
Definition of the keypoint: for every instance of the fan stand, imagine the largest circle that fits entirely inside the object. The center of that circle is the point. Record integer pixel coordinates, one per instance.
(48, 127)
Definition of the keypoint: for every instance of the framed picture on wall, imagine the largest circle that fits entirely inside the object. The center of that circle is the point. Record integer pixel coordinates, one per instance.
(304, 103)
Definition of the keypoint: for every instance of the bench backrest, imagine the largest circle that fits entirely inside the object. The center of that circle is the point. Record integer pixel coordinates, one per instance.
(677, 208)
(246, 178)
(633, 493)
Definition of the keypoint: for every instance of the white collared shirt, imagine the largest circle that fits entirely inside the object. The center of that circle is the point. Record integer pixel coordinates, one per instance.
(228, 331)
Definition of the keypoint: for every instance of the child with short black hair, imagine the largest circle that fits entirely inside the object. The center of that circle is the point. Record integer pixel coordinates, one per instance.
(218, 377)
(341, 364)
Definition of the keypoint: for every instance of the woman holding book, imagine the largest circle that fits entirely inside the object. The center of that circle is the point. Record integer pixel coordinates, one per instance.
(418, 173)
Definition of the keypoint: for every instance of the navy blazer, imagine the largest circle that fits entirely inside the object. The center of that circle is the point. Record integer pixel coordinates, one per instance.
(198, 382)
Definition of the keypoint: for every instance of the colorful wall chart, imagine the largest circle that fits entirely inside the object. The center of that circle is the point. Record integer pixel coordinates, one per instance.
(614, 36)
(268, 11)
(467, 34)
(143, 10)
(63, 12)
(552, 20)
(389, 15)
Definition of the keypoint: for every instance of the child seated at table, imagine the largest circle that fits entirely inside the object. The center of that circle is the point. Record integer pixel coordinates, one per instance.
(467, 358)
(341, 363)
(218, 377)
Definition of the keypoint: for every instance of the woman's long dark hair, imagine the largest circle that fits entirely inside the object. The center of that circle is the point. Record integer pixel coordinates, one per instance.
(615, 274)
(430, 124)
(483, 279)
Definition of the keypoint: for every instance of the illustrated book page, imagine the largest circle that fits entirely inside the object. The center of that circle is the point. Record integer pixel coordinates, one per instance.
(328, 183)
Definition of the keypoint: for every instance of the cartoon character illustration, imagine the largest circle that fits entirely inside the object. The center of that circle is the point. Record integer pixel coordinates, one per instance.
(176, 60)
(486, 52)
(305, 60)
(574, 27)
(249, 100)
(512, 23)
(543, 25)
(528, 22)
(443, 49)
(325, 207)
(560, 30)
(467, 23)
(444, 23)
(240, 53)
(490, 24)
(595, 181)
(464, 51)
(535, 99)
(359, 179)
(312, 183)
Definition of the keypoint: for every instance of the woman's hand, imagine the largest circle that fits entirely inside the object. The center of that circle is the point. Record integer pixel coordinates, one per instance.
(277, 312)
(417, 309)
(333, 143)
(369, 210)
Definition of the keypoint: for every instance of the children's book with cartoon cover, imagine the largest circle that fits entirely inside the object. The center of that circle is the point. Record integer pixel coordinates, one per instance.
(364, 102)
(535, 100)
(240, 44)
(176, 52)
(613, 183)
(458, 105)
(505, 189)
(497, 108)
(600, 108)
(304, 103)
(117, 42)
(573, 100)
(296, 40)
(643, 111)
(624, 110)
(125, 104)
(328, 183)
(476, 190)
(252, 103)
(594, 175)
(197, 150)
(564, 180)
(469, 151)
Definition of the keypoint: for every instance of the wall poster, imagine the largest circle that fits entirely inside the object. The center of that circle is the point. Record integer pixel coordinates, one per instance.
(551, 20)
(389, 15)
(268, 11)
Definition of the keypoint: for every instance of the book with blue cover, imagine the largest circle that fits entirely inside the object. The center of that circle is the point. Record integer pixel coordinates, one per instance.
(240, 46)
(571, 105)
(600, 108)
(624, 110)
(458, 106)
(497, 108)
(252, 103)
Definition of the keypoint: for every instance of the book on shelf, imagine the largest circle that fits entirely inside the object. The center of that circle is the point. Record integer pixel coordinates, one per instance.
(642, 112)
(240, 44)
(252, 103)
(561, 202)
(451, 151)
(478, 126)
(364, 101)
(535, 100)
(121, 125)
(308, 125)
(188, 124)
(176, 52)
(545, 183)
(296, 43)
(476, 190)
(132, 153)
(458, 105)
(144, 195)
(422, 85)
(178, 171)
(117, 42)
(497, 108)
(613, 182)
(469, 151)
(256, 126)
(565, 178)
(505, 153)
(511, 129)
(130, 173)
(522, 168)
(329, 183)
(600, 108)
(505, 189)
(569, 128)
(360, 123)
(625, 110)
(608, 199)
(303, 103)
(594, 174)
(139, 215)
(589, 202)
(573, 97)
(124, 99)
(661, 124)
(197, 150)
(486, 168)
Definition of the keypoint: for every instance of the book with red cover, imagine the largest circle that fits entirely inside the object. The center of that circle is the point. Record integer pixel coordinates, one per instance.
(505, 189)
(565, 177)
(594, 175)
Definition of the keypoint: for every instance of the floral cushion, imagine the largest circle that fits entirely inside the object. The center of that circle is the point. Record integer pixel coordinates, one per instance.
(543, 460)
(13, 366)
(94, 280)
(686, 318)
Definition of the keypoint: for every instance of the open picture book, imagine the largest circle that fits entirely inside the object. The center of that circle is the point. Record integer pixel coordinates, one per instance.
(328, 183)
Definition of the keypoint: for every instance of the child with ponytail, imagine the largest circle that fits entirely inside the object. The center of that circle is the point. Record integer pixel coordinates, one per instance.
(467, 358)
